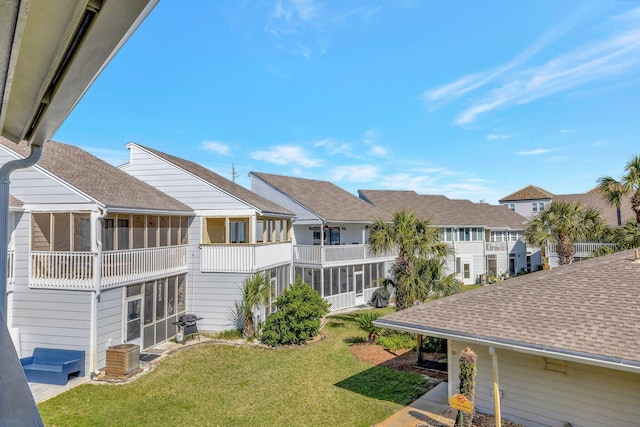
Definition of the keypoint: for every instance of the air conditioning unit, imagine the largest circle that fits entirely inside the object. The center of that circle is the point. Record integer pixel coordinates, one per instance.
(123, 360)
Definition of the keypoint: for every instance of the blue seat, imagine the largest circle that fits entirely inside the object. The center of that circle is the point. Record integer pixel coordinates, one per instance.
(53, 365)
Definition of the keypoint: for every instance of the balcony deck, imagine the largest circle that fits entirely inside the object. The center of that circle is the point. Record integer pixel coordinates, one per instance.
(82, 271)
(337, 255)
(243, 258)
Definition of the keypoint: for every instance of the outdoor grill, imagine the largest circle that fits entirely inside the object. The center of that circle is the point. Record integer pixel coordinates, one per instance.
(188, 323)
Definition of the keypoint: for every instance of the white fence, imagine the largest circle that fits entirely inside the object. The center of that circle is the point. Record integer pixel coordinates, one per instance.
(336, 255)
(496, 246)
(583, 250)
(241, 258)
(341, 301)
(79, 270)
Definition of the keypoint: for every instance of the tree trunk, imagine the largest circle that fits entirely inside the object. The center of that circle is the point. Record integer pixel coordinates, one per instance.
(635, 205)
(467, 360)
(248, 329)
(565, 249)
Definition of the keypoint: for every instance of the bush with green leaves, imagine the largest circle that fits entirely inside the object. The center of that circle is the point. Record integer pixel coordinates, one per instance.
(365, 322)
(434, 345)
(298, 315)
(396, 340)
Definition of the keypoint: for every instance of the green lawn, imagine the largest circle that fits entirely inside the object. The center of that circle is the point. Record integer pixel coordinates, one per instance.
(318, 384)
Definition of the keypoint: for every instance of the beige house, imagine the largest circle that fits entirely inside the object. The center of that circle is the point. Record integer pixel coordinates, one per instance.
(566, 342)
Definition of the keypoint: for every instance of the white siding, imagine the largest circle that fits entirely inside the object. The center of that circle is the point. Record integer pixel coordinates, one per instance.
(211, 296)
(585, 396)
(32, 186)
(110, 322)
(178, 184)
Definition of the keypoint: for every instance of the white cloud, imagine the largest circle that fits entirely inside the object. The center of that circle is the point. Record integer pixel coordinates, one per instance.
(597, 61)
(378, 150)
(498, 136)
(357, 173)
(216, 146)
(535, 152)
(567, 130)
(332, 147)
(286, 154)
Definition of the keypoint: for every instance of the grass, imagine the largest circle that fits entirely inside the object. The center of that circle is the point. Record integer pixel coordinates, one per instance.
(468, 288)
(317, 384)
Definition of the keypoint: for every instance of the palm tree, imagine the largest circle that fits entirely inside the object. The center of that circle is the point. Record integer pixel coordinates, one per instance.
(628, 184)
(255, 292)
(416, 241)
(613, 193)
(563, 224)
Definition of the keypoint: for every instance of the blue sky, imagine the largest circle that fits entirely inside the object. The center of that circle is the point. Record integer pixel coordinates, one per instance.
(468, 99)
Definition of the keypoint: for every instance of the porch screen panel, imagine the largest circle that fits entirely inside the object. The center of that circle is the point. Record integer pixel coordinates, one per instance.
(160, 299)
(61, 232)
(171, 296)
(148, 302)
(174, 230)
(108, 232)
(138, 231)
(164, 231)
(214, 230)
(184, 230)
(41, 232)
(123, 233)
(239, 230)
(182, 293)
(335, 283)
(81, 232)
(327, 282)
(152, 231)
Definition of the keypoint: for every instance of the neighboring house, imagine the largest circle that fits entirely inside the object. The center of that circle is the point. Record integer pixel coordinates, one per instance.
(234, 234)
(97, 257)
(531, 200)
(566, 342)
(486, 239)
(330, 235)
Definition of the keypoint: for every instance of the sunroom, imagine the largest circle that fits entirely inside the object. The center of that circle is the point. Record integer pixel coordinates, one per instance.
(68, 252)
(244, 243)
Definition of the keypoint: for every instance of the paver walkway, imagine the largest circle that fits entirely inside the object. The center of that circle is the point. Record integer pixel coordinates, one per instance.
(427, 408)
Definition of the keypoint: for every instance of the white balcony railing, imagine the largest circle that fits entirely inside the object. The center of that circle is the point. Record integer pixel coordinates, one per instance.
(243, 258)
(583, 250)
(78, 270)
(337, 255)
(496, 246)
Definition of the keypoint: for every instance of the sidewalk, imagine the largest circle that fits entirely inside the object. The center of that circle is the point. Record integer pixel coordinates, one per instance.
(427, 408)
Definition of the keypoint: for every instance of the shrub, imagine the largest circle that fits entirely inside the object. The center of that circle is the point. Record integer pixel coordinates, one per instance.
(395, 340)
(434, 345)
(365, 322)
(297, 319)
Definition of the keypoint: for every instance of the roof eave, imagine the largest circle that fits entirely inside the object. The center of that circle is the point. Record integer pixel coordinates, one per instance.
(518, 346)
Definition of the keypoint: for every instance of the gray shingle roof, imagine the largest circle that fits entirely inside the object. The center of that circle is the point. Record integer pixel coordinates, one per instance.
(98, 179)
(591, 198)
(445, 211)
(588, 307)
(324, 198)
(236, 190)
(530, 192)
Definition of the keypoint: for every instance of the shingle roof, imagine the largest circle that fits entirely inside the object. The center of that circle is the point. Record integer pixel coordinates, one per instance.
(588, 307)
(591, 198)
(594, 199)
(530, 192)
(445, 211)
(322, 197)
(106, 184)
(14, 201)
(248, 196)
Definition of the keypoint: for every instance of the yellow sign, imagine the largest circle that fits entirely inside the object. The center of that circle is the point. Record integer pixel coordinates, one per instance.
(461, 403)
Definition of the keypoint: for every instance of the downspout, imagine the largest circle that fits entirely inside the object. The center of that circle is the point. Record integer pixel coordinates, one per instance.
(496, 386)
(5, 173)
(95, 293)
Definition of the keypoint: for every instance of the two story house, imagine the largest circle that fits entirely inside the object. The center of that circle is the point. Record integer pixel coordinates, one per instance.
(235, 233)
(97, 257)
(485, 240)
(330, 233)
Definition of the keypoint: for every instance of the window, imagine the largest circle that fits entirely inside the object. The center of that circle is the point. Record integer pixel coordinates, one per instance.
(466, 270)
(238, 230)
(511, 206)
(540, 206)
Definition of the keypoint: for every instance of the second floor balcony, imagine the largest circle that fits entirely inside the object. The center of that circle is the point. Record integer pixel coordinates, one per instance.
(89, 271)
(338, 254)
(243, 258)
